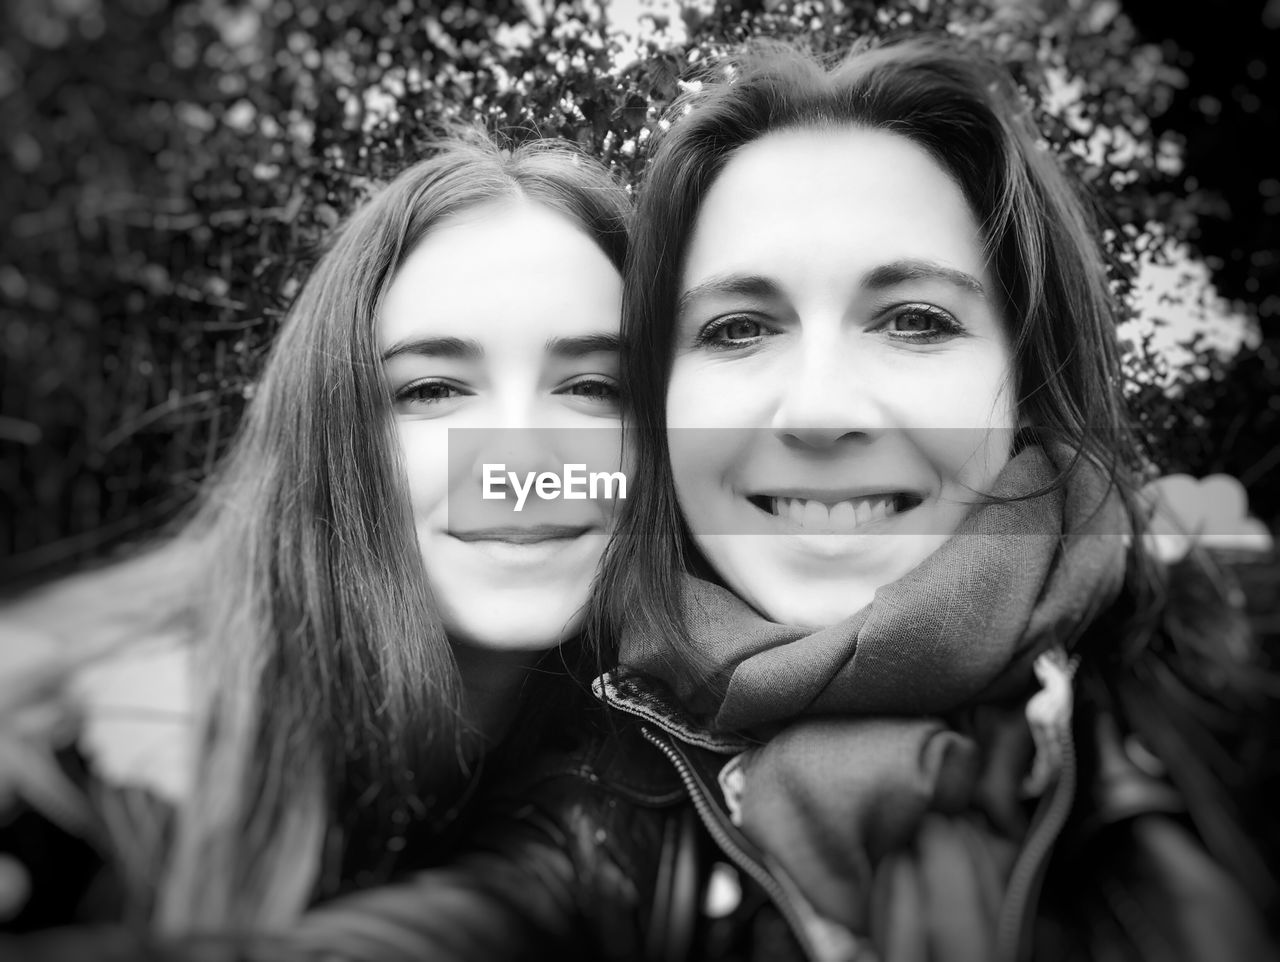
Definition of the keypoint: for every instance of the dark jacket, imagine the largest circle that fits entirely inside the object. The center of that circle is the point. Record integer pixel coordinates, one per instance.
(618, 846)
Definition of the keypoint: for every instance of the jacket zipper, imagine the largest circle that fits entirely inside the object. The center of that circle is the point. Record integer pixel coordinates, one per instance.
(741, 859)
(1014, 925)
(1013, 931)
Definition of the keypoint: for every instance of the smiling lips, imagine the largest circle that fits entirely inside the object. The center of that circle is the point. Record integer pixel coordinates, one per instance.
(836, 517)
(532, 534)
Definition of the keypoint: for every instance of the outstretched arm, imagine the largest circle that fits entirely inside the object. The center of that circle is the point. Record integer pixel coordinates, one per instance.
(549, 880)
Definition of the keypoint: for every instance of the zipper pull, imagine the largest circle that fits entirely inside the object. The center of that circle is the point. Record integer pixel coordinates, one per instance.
(733, 784)
(1049, 717)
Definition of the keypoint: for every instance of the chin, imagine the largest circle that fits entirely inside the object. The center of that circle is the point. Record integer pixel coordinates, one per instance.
(799, 604)
(520, 631)
(816, 613)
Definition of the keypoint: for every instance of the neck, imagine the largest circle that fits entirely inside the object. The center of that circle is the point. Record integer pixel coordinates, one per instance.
(491, 682)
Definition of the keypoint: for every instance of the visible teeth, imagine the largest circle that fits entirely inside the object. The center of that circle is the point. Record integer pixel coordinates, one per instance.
(816, 515)
(795, 506)
(843, 517)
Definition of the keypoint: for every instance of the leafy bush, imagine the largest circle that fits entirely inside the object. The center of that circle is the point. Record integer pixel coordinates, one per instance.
(171, 170)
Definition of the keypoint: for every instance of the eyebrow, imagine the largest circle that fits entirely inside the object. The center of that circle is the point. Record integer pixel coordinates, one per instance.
(741, 285)
(900, 272)
(464, 350)
(452, 347)
(581, 346)
(878, 278)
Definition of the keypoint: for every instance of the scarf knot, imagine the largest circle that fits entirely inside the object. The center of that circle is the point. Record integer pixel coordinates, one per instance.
(891, 786)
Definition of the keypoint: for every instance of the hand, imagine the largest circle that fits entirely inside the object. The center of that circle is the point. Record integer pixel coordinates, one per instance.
(37, 718)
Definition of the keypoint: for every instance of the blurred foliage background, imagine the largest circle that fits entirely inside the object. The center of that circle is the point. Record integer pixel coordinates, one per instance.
(168, 170)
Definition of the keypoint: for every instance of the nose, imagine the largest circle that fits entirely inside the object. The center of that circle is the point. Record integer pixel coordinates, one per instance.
(828, 399)
(521, 442)
(521, 449)
(508, 429)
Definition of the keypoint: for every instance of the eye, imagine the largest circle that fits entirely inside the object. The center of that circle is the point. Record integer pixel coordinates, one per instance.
(920, 323)
(736, 330)
(593, 389)
(598, 392)
(426, 396)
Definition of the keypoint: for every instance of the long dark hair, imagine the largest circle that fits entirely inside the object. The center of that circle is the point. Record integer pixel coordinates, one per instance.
(330, 702)
(1041, 242)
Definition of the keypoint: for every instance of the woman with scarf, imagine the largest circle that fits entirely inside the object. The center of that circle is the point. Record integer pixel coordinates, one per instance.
(319, 660)
(881, 598)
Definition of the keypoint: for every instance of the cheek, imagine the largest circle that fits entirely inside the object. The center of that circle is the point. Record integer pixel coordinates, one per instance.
(708, 469)
(976, 420)
(690, 475)
(424, 455)
(685, 396)
(716, 394)
(690, 402)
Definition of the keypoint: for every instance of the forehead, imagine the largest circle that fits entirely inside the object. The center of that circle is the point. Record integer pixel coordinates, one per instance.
(803, 197)
(500, 270)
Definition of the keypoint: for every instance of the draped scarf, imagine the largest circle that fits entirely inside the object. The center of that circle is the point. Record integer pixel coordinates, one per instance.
(888, 786)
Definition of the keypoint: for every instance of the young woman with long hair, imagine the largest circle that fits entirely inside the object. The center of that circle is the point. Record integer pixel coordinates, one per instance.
(353, 645)
(897, 678)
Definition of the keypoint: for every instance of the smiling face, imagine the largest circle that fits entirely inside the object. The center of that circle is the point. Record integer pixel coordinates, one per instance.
(504, 317)
(836, 310)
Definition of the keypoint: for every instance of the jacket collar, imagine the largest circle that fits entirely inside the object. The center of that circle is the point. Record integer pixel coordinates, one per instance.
(649, 699)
